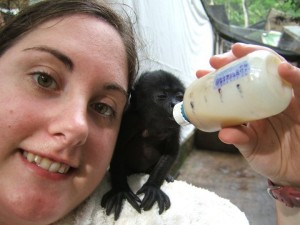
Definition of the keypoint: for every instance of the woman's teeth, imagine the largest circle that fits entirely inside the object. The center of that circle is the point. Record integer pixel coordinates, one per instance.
(46, 164)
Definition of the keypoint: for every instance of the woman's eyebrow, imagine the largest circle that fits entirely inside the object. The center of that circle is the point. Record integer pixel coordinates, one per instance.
(116, 87)
(57, 54)
(70, 65)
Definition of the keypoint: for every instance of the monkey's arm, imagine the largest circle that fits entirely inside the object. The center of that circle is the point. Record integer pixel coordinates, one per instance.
(113, 200)
(151, 188)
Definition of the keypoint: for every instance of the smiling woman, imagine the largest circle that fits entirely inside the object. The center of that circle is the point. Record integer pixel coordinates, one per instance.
(61, 89)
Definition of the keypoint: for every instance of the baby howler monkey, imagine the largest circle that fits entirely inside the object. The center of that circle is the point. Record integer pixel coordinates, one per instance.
(148, 142)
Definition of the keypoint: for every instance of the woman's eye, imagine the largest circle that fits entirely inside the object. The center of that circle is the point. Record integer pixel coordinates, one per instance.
(103, 109)
(45, 80)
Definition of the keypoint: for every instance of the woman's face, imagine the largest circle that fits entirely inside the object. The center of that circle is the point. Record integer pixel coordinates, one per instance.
(62, 93)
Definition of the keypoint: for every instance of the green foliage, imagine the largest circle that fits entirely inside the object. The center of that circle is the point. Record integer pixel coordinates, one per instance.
(295, 4)
(257, 9)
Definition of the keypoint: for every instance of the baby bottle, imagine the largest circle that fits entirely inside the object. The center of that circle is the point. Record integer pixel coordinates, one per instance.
(247, 89)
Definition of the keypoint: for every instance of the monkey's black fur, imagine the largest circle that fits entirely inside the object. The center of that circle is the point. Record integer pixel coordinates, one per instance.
(148, 142)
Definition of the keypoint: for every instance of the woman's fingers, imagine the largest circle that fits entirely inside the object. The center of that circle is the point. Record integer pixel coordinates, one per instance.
(291, 74)
(201, 73)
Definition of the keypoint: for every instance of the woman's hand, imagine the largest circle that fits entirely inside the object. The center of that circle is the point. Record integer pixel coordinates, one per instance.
(272, 145)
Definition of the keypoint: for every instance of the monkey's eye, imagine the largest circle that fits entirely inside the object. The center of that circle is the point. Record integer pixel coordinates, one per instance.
(161, 97)
(44, 80)
(179, 96)
(103, 109)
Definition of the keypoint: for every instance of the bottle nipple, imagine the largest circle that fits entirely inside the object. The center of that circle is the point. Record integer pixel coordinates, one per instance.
(179, 114)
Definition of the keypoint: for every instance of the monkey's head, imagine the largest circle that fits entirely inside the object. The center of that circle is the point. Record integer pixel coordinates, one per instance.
(155, 94)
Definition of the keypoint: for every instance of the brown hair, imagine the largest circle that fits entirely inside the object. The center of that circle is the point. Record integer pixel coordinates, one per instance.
(43, 11)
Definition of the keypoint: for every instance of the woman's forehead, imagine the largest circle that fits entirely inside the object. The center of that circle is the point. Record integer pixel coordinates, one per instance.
(82, 33)
(87, 40)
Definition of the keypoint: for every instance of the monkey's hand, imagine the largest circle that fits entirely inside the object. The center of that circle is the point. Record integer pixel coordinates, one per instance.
(153, 194)
(114, 200)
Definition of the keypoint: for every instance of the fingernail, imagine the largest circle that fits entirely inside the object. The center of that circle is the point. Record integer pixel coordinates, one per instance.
(289, 66)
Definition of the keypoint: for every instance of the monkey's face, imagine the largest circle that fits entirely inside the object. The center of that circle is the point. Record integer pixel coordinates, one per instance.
(167, 99)
(155, 95)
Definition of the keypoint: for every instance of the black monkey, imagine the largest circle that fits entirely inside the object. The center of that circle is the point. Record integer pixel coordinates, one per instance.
(148, 142)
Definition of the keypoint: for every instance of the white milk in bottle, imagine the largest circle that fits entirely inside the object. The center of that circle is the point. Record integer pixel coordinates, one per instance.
(247, 89)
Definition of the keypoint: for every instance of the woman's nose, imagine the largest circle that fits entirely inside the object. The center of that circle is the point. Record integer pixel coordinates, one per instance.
(70, 125)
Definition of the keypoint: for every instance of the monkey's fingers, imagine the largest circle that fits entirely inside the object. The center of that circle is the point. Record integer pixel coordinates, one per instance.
(107, 201)
(113, 202)
(118, 203)
(133, 200)
(152, 195)
(160, 197)
(104, 200)
(164, 202)
(149, 199)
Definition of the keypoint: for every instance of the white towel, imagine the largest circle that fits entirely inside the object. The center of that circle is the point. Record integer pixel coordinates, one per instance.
(189, 205)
